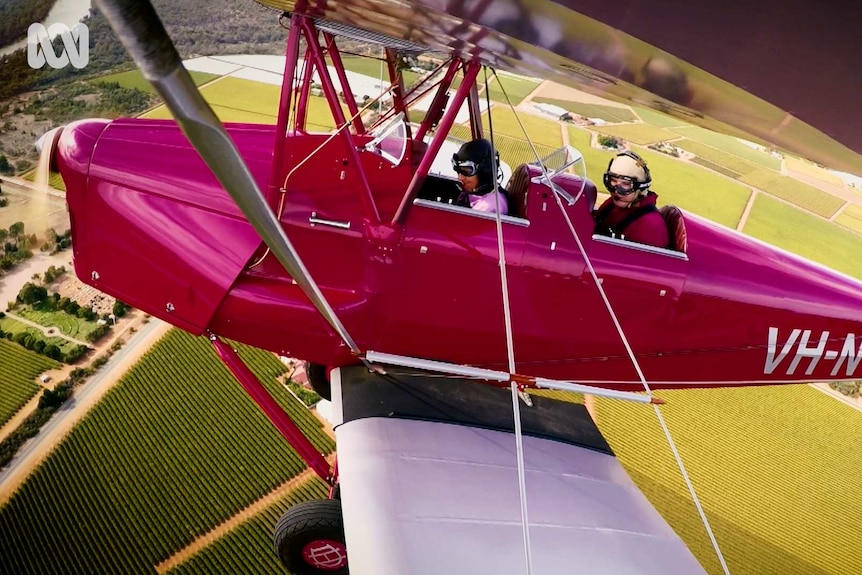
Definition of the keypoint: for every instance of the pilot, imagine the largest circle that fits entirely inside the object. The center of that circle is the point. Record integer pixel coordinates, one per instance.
(630, 213)
(475, 163)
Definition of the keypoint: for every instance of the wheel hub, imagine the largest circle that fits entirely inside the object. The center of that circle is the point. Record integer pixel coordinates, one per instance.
(325, 554)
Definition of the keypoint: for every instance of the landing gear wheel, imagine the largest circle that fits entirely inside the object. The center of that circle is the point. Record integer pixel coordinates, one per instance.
(309, 538)
(318, 378)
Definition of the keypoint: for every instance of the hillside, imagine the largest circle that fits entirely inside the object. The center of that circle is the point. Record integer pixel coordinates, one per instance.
(198, 27)
(17, 15)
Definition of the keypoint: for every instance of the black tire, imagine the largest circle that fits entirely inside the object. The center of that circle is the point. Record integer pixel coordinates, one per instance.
(309, 527)
(318, 378)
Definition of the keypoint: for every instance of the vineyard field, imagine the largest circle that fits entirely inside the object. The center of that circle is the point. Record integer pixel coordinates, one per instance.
(19, 369)
(172, 451)
(248, 548)
(769, 465)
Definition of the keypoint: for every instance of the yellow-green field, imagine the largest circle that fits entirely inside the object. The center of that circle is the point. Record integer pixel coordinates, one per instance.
(794, 191)
(238, 100)
(659, 119)
(727, 161)
(516, 89)
(772, 466)
(851, 218)
(606, 113)
(797, 231)
(541, 131)
(642, 134)
(730, 145)
(135, 79)
(375, 68)
(807, 168)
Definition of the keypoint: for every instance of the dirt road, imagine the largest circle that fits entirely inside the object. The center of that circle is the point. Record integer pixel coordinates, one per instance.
(38, 448)
(11, 283)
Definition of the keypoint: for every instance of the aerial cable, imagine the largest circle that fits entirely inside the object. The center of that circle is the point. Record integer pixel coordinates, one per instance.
(510, 348)
(623, 338)
(527, 137)
(645, 385)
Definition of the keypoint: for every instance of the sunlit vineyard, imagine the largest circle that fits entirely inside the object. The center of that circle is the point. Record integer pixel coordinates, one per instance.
(730, 145)
(19, 369)
(642, 134)
(506, 89)
(174, 450)
(606, 113)
(722, 159)
(773, 466)
(248, 548)
(851, 218)
(794, 191)
(805, 234)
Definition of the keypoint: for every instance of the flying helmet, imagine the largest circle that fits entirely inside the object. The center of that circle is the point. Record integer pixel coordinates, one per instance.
(474, 158)
(629, 167)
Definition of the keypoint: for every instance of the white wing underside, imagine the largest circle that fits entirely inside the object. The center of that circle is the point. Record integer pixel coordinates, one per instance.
(422, 497)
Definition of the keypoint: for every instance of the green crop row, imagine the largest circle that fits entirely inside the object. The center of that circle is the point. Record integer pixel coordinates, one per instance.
(19, 369)
(800, 232)
(730, 145)
(641, 134)
(772, 468)
(851, 218)
(722, 159)
(248, 548)
(794, 191)
(174, 450)
(606, 113)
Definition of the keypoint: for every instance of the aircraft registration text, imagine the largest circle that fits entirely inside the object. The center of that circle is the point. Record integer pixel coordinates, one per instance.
(812, 350)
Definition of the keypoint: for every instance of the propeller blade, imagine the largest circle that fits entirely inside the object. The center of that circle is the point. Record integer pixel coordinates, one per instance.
(139, 28)
(45, 146)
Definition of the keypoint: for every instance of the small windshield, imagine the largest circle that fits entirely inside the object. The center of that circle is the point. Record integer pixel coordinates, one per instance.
(569, 160)
(390, 140)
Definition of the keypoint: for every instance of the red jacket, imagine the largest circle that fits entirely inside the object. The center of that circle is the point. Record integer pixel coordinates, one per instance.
(640, 223)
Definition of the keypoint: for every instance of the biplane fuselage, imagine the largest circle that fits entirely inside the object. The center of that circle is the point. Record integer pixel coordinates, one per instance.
(153, 227)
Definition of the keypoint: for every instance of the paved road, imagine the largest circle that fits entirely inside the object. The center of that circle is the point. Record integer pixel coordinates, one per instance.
(37, 448)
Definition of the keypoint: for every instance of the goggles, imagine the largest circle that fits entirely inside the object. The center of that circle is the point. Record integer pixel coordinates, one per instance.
(619, 189)
(465, 167)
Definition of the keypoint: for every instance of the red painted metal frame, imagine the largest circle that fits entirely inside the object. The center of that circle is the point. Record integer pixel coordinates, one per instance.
(335, 57)
(304, 91)
(285, 99)
(368, 204)
(471, 70)
(437, 105)
(396, 80)
(273, 410)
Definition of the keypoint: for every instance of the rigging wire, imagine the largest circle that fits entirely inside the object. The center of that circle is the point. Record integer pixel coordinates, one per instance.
(625, 342)
(510, 348)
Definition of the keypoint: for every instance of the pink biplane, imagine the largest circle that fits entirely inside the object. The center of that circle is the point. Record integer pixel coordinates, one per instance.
(346, 249)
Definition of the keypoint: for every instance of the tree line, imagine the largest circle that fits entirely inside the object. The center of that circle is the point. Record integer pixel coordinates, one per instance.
(197, 27)
(17, 15)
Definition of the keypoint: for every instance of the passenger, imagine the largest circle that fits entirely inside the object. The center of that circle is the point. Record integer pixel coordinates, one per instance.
(630, 213)
(475, 163)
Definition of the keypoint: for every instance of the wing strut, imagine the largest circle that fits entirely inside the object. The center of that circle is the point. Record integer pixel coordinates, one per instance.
(510, 346)
(138, 27)
(628, 348)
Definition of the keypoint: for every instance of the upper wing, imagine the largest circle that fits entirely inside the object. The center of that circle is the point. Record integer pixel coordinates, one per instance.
(781, 74)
